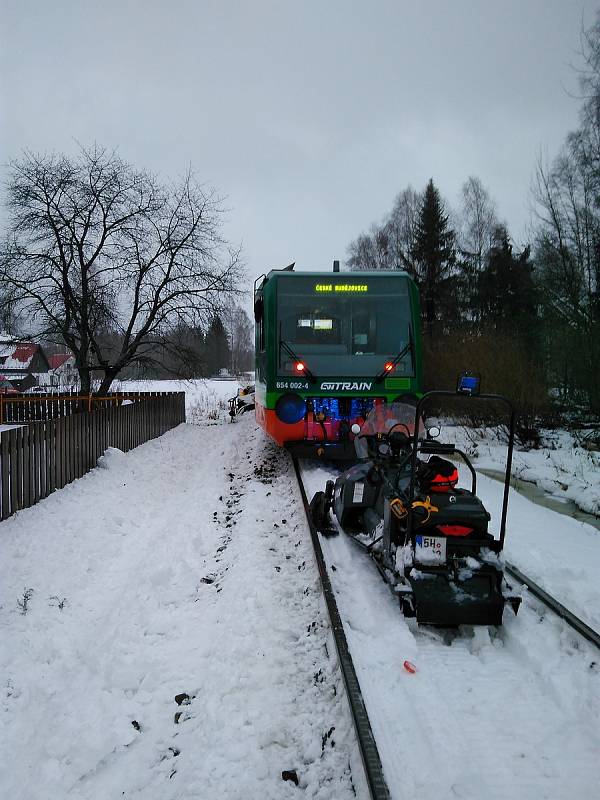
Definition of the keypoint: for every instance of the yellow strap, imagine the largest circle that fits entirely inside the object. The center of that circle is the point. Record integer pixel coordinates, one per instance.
(427, 505)
(400, 510)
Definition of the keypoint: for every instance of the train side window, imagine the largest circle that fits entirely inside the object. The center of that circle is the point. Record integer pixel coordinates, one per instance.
(259, 317)
(260, 345)
(261, 335)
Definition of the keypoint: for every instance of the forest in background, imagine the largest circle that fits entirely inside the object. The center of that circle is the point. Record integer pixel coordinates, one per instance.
(197, 352)
(528, 318)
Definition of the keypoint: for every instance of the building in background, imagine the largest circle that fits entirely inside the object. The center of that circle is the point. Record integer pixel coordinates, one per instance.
(23, 365)
(63, 371)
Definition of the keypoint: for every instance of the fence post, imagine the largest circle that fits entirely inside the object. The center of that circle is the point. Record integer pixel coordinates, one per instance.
(5, 474)
(20, 476)
(14, 470)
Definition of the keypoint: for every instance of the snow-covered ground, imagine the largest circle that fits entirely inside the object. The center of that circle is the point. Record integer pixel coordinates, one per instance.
(561, 466)
(204, 399)
(185, 568)
(489, 713)
(182, 567)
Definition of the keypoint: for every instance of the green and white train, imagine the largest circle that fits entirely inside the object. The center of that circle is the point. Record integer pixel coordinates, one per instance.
(330, 346)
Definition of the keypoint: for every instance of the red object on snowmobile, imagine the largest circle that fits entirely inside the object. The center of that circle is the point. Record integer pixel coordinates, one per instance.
(455, 530)
(443, 483)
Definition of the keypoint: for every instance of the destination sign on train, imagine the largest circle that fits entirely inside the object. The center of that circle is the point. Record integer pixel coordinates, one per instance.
(341, 287)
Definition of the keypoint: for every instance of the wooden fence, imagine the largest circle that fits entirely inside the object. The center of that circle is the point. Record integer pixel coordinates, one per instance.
(36, 407)
(45, 455)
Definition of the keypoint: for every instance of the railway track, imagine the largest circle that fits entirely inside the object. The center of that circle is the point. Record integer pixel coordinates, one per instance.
(552, 603)
(371, 759)
(366, 741)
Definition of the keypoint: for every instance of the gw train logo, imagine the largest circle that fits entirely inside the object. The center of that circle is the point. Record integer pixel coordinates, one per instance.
(364, 386)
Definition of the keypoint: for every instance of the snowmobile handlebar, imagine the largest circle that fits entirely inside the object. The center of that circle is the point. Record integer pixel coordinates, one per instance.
(395, 439)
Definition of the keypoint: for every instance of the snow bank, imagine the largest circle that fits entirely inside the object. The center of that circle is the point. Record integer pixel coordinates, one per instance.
(112, 459)
(181, 572)
(205, 400)
(561, 466)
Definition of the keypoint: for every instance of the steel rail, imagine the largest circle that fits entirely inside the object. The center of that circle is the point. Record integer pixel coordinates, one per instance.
(366, 741)
(536, 590)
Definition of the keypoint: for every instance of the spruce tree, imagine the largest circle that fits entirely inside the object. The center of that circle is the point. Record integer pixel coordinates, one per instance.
(507, 294)
(434, 256)
(218, 355)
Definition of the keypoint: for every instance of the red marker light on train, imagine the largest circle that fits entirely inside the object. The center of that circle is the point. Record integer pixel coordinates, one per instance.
(388, 366)
(299, 366)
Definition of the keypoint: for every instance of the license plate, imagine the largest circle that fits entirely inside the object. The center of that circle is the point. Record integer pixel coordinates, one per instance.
(430, 549)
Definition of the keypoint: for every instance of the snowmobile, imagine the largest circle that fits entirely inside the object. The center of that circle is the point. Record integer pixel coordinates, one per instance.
(401, 502)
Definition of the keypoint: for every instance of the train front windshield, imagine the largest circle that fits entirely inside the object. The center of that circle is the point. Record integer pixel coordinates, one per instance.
(344, 326)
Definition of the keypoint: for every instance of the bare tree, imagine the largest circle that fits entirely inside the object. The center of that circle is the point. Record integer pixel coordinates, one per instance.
(242, 342)
(478, 219)
(564, 220)
(566, 194)
(369, 250)
(240, 334)
(389, 245)
(402, 226)
(96, 247)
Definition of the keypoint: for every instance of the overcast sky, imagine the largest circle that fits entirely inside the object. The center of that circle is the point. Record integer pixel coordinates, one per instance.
(308, 116)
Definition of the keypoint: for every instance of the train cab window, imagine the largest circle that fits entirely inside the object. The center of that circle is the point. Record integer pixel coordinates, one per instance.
(317, 328)
(363, 331)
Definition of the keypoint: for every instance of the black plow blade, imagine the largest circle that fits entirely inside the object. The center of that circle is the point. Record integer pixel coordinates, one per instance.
(440, 601)
(319, 512)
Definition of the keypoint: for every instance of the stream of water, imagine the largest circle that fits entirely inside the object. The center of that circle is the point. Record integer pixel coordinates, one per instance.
(533, 492)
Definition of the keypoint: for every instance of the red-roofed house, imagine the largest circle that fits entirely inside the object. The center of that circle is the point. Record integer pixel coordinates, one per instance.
(63, 372)
(24, 364)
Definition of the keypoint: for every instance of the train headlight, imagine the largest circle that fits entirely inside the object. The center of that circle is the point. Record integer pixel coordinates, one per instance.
(290, 408)
(299, 366)
(388, 366)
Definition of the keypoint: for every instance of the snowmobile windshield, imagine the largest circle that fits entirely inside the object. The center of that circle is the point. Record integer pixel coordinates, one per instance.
(383, 419)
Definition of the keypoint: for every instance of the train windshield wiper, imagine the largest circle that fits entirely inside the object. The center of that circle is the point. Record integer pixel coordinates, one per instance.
(292, 355)
(408, 348)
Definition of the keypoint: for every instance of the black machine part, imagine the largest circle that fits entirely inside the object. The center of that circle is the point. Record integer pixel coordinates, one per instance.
(474, 600)
(468, 588)
(435, 447)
